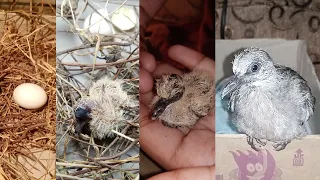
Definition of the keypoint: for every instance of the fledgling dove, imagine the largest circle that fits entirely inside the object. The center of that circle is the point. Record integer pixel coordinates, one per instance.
(183, 99)
(268, 102)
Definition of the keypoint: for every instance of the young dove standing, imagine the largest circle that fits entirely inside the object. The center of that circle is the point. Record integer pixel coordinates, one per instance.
(182, 100)
(269, 102)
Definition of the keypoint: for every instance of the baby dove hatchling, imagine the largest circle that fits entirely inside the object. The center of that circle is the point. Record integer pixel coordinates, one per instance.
(181, 100)
(106, 108)
(268, 101)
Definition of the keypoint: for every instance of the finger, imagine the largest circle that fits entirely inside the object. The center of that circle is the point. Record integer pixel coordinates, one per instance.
(197, 173)
(145, 87)
(191, 58)
(158, 141)
(196, 149)
(145, 81)
(147, 61)
(143, 110)
(146, 98)
(146, 95)
(162, 69)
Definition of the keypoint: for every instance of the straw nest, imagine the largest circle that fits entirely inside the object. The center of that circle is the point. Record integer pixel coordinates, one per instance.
(27, 51)
(107, 147)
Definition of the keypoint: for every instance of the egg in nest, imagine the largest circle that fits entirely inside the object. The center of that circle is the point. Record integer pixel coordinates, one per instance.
(30, 96)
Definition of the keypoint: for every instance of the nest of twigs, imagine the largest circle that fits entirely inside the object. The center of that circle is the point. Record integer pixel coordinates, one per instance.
(83, 156)
(27, 51)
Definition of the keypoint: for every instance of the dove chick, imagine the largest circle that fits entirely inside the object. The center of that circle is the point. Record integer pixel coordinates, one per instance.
(106, 108)
(182, 100)
(268, 102)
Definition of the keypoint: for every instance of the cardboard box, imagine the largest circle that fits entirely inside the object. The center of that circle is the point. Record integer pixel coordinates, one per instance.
(300, 159)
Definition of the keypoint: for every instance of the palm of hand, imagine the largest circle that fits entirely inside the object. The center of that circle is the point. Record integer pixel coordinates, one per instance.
(168, 146)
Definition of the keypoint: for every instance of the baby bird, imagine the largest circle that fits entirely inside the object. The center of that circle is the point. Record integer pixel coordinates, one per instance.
(268, 102)
(182, 100)
(106, 108)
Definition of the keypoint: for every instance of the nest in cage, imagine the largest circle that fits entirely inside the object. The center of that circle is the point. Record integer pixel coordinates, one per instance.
(105, 119)
(27, 48)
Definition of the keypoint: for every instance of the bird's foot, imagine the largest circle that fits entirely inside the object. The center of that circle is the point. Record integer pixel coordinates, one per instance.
(278, 146)
(255, 143)
(262, 142)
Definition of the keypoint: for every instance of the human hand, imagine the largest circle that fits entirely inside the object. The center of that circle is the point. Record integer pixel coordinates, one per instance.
(201, 173)
(168, 146)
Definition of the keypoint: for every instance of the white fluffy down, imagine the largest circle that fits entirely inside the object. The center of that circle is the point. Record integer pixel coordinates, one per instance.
(109, 114)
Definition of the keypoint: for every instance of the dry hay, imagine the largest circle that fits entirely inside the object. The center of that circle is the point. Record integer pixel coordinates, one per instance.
(84, 156)
(27, 50)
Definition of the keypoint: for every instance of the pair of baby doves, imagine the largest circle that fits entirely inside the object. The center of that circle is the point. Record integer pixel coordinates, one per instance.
(182, 100)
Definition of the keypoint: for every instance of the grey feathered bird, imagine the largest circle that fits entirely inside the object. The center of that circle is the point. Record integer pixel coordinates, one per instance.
(269, 102)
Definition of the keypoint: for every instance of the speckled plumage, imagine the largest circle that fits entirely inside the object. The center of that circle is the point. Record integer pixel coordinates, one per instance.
(271, 103)
(193, 98)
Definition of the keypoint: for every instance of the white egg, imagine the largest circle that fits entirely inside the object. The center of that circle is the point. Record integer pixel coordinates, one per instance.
(30, 96)
(96, 24)
(124, 18)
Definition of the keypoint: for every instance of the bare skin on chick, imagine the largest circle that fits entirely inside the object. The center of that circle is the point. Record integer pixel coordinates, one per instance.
(182, 100)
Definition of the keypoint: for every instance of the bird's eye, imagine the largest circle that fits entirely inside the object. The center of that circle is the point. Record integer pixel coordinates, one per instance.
(255, 67)
(173, 76)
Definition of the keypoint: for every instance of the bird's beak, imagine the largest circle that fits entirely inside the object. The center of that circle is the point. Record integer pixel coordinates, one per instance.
(159, 108)
(79, 126)
(233, 83)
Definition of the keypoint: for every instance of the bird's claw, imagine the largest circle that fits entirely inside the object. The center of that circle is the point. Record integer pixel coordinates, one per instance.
(261, 142)
(278, 146)
(256, 146)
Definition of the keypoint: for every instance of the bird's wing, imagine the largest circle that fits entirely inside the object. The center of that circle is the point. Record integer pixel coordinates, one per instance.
(232, 102)
(229, 91)
(301, 87)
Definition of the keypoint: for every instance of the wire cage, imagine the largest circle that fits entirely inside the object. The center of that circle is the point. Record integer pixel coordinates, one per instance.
(89, 66)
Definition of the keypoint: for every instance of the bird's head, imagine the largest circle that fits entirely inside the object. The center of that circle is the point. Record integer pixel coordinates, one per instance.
(251, 65)
(169, 88)
(83, 114)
